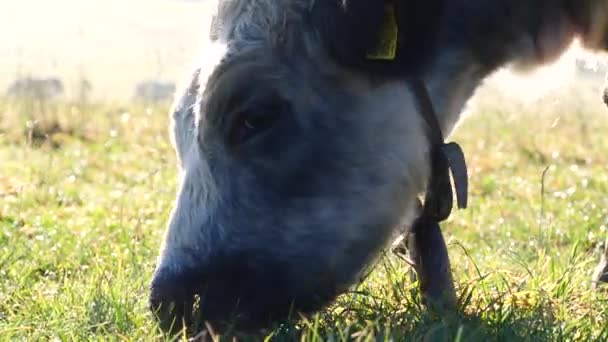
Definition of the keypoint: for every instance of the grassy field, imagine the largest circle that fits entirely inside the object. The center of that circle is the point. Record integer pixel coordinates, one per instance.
(86, 189)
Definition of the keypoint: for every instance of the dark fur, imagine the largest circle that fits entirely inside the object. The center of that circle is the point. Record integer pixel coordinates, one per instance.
(349, 30)
(488, 29)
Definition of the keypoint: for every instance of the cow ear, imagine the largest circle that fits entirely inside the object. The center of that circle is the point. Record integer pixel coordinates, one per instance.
(348, 29)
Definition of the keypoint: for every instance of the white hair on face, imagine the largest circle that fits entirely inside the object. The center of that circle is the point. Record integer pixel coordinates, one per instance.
(185, 113)
(213, 53)
(197, 190)
(198, 196)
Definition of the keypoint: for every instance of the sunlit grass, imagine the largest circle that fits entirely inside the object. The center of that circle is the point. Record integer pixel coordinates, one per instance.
(84, 203)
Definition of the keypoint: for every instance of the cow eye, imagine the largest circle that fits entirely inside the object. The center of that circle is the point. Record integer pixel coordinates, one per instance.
(254, 122)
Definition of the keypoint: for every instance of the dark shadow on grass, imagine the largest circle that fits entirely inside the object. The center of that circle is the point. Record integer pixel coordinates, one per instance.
(360, 315)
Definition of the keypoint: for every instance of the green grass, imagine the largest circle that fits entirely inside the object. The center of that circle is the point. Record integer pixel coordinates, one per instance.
(82, 212)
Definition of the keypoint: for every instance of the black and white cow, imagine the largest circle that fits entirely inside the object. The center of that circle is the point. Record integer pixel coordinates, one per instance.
(303, 146)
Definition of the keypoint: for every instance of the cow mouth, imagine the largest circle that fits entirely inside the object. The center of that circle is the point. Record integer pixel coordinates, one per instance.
(235, 298)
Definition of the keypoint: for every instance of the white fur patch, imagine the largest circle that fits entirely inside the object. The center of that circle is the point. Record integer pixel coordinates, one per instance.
(185, 237)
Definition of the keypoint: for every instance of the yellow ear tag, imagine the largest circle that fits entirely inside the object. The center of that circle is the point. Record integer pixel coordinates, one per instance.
(389, 35)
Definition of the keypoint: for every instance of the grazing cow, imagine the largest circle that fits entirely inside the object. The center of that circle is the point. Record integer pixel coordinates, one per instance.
(306, 136)
(592, 71)
(36, 88)
(154, 91)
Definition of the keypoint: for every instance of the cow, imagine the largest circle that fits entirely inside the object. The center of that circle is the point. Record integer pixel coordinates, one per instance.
(154, 91)
(36, 88)
(308, 133)
(591, 70)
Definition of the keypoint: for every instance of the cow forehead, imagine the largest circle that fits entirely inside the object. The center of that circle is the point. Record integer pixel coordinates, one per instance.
(237, 78)
(266, 19)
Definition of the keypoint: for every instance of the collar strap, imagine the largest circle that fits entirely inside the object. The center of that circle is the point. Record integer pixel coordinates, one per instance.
(444, 157)
(448, 157)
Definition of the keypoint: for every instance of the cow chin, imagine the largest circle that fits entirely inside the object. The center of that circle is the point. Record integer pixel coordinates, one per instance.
(251, 290)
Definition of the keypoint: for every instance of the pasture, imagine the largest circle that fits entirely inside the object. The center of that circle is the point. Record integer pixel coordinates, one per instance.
(86, 188)
(85, 191)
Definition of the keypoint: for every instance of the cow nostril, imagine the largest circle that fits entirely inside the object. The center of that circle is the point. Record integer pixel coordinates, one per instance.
(171, 302)
(189, 301)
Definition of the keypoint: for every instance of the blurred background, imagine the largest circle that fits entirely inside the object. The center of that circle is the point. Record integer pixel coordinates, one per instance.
(104, 48)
